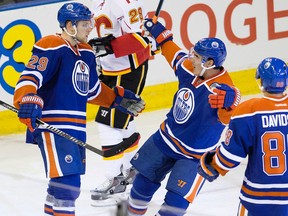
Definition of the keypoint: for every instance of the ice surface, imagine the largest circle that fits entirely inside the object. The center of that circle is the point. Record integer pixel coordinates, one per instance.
(23, 181)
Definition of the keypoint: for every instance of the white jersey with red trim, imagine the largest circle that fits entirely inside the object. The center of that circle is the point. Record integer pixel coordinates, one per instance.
(118, 17)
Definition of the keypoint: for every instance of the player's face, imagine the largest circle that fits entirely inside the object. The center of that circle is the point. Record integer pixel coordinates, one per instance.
(196, 60)
(83, 30)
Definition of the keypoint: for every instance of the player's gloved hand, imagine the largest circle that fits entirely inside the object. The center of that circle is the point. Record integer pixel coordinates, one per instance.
(158, 31)
(102, 46)
(127, 102)
(30, 109)
(154, 48)
(204, 167)
(224, 96)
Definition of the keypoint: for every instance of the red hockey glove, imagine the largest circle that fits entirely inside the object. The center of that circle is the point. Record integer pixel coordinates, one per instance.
(204, 167)
(158, 31)
(224, 96)
(30, 109)
(127, 102)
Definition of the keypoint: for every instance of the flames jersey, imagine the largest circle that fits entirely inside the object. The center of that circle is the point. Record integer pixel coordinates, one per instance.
(65, 78)
(259, 129)
(192, 127)
(120, 17)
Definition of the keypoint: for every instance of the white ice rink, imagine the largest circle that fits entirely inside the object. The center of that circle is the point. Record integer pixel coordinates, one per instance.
(23, 182)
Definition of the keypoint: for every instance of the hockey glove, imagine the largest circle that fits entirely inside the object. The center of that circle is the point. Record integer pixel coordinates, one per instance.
(127, 102)
(102, 46)
(224, 96)
(30, 109)
(158, 31)
(205, 169)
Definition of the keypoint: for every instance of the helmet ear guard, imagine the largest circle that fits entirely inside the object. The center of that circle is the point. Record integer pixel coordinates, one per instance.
(273, 74)
(73, 12)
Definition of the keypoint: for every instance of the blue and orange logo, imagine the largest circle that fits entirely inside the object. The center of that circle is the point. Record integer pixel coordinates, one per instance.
(184, 105)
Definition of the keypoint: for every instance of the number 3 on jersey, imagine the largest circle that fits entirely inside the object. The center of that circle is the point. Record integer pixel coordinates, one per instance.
(274, 157)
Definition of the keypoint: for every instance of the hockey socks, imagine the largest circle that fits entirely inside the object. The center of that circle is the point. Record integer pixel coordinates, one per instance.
(140, 196)
(174, 205)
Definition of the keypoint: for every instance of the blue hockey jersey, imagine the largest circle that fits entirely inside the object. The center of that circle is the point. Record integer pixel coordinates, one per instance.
(65, 78)
(259, 129)
(192, 127)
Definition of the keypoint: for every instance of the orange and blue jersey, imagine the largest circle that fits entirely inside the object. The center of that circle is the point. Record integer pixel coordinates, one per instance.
(258, 129)
(65, 78)
(192, 127)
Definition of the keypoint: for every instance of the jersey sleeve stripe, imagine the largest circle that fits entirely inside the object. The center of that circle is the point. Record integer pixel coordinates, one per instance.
(26, 83)
(35, 75)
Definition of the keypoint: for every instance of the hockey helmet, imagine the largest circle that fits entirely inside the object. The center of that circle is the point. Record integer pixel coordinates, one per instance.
(211, 48)
(73, 12)
(273, 75)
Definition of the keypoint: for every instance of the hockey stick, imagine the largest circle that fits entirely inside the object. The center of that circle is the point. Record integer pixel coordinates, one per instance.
(144, 32)
(157, 12)
(120, 147)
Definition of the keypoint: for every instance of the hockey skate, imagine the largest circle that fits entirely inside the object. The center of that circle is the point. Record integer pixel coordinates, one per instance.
(105, 194)
(129, 176)
(114, 190)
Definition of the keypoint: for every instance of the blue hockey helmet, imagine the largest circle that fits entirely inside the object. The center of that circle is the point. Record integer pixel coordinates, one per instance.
(211, 48)
(73, 12)
(273, 75)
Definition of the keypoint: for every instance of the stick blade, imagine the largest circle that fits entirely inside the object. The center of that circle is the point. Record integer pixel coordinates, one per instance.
(122, 146)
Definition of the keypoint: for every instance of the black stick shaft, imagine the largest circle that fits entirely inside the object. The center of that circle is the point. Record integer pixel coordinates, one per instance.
(155, 18)
(120, 147)
(57, 131)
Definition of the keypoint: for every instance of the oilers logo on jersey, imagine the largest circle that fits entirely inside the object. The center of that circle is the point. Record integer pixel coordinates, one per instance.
(68, 158)
(184, 105)
(80, 78)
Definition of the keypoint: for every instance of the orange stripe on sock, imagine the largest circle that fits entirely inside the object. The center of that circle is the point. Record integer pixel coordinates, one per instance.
(48, 209)
(137, 212)
(61, 214)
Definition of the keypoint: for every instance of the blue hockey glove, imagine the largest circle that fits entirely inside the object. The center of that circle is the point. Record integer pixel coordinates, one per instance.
(205, 169)
(30, 109)
(127, 102)
(224, 96)
(158, 31)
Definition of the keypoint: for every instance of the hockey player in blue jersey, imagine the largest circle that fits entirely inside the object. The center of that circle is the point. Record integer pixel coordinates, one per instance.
(56, 85)
(258, 129)
(201, 108)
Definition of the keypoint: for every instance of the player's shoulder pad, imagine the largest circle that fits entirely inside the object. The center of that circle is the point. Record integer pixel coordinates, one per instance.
(222, 78)
(250, 106)
(84, 46)
(50, 41)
